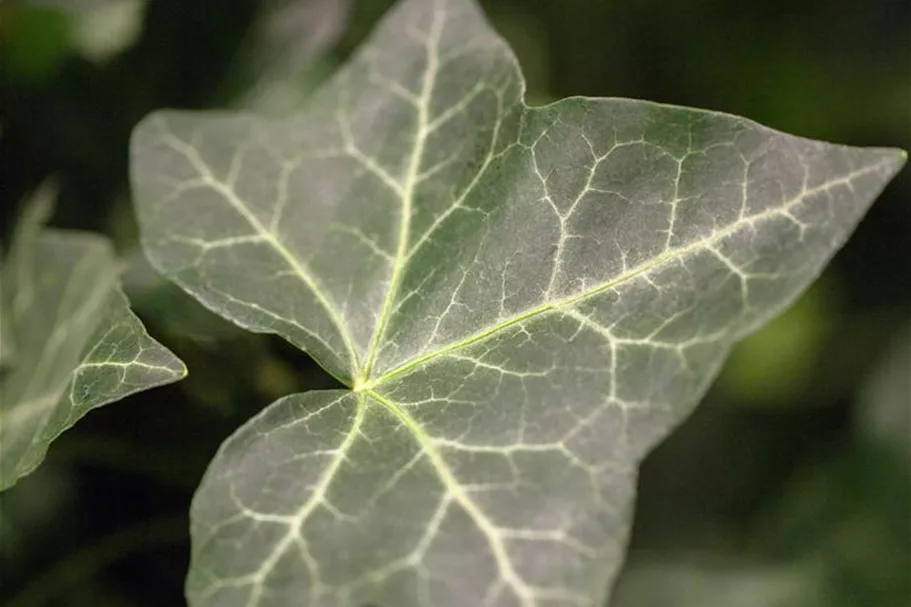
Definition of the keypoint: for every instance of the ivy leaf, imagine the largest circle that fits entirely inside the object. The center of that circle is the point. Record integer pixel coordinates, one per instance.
(521, 302)
(77, 345)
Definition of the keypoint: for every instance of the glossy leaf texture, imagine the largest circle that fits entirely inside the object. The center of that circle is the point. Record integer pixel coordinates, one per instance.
(521, 301)
(76, 344)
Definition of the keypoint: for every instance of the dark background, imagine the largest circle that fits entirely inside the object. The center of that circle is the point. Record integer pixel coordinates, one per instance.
(780, 480)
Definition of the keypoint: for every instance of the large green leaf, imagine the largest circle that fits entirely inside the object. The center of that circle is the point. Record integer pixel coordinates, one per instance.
(521, 301)
(77, 345)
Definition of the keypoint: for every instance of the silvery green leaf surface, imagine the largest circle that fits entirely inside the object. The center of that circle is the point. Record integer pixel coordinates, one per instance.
(78, 346)
(521, 301)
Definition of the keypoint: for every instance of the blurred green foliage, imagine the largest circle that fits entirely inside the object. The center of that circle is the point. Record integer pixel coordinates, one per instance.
(35, 42)
(785, 488)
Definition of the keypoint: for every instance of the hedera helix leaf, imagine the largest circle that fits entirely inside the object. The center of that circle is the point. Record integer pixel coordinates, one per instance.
(77, 345)
(521, 302)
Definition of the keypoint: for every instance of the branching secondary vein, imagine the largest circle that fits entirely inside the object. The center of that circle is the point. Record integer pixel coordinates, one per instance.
(458, 494)
(300, 270)
(408, 191)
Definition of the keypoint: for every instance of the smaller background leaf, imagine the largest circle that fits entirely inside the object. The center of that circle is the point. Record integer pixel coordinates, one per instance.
(78, 344)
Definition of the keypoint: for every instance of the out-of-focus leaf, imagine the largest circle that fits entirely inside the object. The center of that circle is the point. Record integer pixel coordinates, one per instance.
(285, 50)
(7, 345)
(98, 29)
(34, 215)
(885, 414)
(671, 583)
(105, 28)
(522, 302)
(78, 345)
